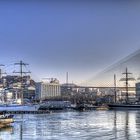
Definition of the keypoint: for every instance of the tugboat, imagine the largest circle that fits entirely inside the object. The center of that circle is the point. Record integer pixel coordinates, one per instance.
(126, 104)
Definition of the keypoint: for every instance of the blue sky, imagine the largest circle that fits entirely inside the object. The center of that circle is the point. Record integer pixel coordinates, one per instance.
(81, 37)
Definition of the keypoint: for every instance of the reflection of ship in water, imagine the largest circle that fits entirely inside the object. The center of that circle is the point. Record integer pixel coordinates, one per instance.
(7, 129)
(126, 104)
(126, 124)
(124, 121)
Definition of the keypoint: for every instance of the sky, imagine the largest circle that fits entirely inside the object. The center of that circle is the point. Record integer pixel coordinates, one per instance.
(82, 37)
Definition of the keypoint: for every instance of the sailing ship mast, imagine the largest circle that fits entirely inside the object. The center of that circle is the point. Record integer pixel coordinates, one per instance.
(115, 87)
(21, 72)
(127, 79)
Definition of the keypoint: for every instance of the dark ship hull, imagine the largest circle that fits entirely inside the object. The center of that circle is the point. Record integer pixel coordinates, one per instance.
(124, 106)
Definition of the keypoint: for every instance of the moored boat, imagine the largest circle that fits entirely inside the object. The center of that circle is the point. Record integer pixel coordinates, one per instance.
(126, 104)
(102, 107)
(6, 120)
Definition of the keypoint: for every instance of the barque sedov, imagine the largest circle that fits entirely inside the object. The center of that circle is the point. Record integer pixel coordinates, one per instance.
(126, 104)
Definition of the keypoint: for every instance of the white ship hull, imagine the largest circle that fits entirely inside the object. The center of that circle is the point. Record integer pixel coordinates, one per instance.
(19, 107)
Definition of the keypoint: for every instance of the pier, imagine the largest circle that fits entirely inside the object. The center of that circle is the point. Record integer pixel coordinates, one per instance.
(26, 112)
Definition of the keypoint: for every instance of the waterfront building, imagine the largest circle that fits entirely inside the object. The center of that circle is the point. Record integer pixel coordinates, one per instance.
(29, 93)
(68, 89)
(45, 90)
(138, 91)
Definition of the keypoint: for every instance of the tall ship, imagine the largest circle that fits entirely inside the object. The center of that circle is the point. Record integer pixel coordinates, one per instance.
(126, 104)
(18, 103)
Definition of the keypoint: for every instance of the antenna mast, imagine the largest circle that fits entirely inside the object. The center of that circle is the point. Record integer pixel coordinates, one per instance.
(67, 78)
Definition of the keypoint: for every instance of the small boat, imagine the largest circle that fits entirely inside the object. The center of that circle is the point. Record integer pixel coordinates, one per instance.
(6, 120)
(102, 107)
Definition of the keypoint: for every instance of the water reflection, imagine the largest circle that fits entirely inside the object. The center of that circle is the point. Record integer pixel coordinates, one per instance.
(7, 129)
(97, 125)
(125, 124)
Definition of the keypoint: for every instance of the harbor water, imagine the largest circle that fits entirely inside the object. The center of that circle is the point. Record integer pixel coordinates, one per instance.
(89, 125)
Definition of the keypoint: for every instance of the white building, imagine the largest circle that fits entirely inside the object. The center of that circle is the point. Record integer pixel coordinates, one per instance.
(45, 90)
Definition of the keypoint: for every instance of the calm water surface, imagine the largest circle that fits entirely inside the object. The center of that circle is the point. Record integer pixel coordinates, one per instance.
(93, 125)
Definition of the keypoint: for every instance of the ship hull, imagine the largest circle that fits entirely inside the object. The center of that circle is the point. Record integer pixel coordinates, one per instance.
(124, 106)
(19, 108)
